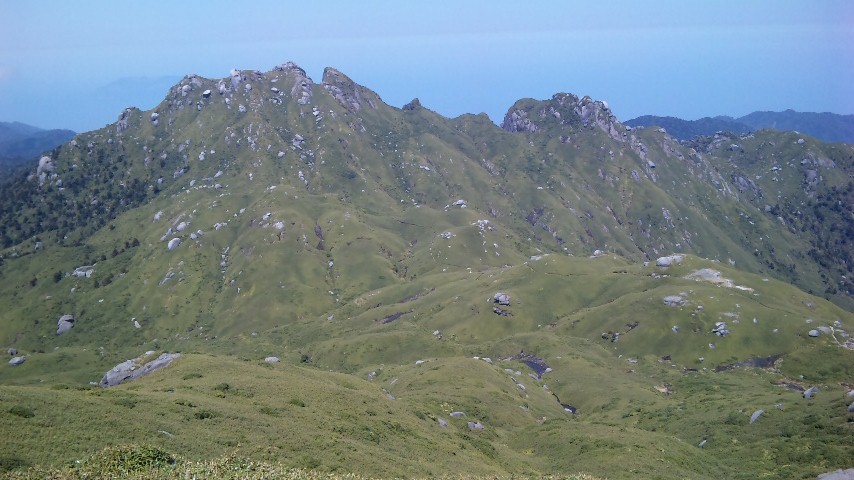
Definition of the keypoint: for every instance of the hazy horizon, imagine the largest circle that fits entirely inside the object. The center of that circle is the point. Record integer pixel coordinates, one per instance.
(77, 66)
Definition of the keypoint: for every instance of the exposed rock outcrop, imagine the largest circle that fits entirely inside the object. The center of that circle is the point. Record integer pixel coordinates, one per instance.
(15, 361)
(565, 110)
(135, 368)
(122, 122)
(669, 260)
(352, 96)
(64, 324)
(674, 300)
(838, 475)
(301, 84)
(415, 104)
(810, 392)
(501, 299)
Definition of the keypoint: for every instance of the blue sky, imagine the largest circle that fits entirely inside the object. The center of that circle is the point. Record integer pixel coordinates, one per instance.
(77, 64)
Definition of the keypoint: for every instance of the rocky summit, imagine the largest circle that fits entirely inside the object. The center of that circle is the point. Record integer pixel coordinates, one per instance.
(561, 293)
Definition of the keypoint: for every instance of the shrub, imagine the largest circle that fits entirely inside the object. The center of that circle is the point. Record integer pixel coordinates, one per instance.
(22, 411)
(118, 461)
(203, 414)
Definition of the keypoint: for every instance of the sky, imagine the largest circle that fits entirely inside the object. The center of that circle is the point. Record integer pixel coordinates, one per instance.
(76, 65)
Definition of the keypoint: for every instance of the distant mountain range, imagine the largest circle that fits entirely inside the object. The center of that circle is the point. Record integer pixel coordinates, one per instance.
(20, 142)
(829, 127)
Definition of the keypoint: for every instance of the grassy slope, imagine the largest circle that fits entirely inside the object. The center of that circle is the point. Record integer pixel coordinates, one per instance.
(381, 201)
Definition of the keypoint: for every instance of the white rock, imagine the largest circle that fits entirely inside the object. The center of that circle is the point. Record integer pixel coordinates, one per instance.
(15, 361)
(173, 244)
(669, 260)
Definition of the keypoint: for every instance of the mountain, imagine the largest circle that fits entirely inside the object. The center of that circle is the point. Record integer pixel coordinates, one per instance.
(20, 142)
(560, 294)
(829, 127)
(689, 129)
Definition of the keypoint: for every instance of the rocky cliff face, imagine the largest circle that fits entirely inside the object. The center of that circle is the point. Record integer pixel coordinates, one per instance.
(564, 111)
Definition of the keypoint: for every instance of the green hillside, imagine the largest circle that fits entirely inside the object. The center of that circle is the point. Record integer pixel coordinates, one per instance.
(366, 248)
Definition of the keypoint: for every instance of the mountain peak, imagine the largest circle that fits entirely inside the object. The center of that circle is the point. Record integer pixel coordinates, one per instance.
(563, 110)
(415, 104)
(350, 94)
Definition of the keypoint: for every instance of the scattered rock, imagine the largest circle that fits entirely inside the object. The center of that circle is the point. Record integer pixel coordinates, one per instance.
(458, 414)
(442, 422)
(810, 392)
(12, 352)
(460, 203)
(501, 311)
(15, 361)
(669, 260)
(173, 244)
(64, 324)
(84, 271)
(756, 415)
(711, 276)
(703, 443)
(851, 408)
(814, 333)
(501, 299)
(720, 329)
(674, 300)
(136, 325)
(475, 425)
(272, 359)
(132, 369)
(838, 475)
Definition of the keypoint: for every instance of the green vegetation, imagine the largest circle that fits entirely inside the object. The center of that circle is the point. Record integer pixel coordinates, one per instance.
(362, 246)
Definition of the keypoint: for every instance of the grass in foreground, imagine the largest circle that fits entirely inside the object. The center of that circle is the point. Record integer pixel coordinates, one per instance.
(141, 461)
